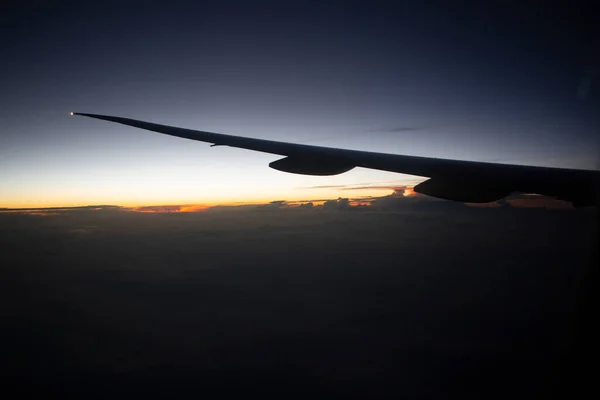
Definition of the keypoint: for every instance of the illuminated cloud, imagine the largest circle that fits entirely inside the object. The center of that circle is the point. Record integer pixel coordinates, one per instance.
(409, 192)
(193, 208)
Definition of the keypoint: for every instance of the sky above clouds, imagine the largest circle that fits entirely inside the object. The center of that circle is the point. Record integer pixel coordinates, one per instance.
(481, 83)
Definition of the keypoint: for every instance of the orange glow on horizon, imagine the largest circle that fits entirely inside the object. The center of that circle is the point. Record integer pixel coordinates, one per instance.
(139, 200)
(193, 208)
(161, 209)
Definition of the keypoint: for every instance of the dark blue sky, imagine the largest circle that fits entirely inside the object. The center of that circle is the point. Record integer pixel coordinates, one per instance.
(514, 84)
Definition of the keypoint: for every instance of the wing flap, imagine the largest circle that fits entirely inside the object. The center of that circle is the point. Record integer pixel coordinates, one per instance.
(322, 166)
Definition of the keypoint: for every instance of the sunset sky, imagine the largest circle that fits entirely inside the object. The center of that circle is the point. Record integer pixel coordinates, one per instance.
(487, 84)
(138, 262)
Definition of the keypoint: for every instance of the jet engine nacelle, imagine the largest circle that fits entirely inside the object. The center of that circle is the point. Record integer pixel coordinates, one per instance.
(311, 166)
(467, 192)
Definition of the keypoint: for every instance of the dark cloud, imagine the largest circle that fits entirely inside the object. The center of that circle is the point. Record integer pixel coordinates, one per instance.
(398, 129)
(388, 187)
(365, 185)
(323, 187)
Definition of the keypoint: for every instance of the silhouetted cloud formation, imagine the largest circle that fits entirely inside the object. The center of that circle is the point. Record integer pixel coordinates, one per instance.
(339, 204)
(275, 204)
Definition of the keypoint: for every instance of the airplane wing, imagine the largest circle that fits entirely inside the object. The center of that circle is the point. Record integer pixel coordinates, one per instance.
(465, 181)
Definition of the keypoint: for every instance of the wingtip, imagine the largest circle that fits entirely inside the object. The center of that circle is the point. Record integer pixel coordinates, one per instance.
(83, 114)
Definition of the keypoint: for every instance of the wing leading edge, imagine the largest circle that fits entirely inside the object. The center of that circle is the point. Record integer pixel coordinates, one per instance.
(457, 180)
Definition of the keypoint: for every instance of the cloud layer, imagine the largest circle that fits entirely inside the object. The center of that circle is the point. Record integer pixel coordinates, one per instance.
(285, 295)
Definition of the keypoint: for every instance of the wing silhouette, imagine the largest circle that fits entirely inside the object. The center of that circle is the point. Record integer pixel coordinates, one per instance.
(465, 181)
